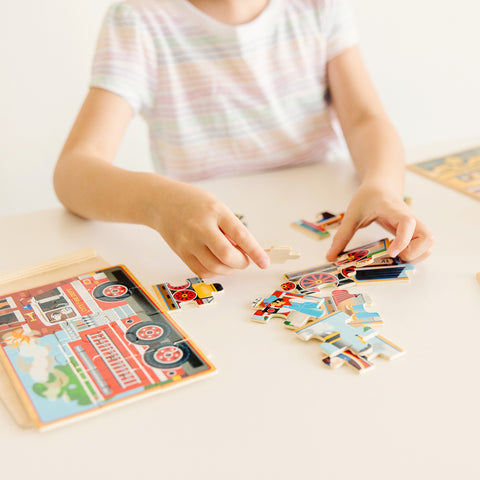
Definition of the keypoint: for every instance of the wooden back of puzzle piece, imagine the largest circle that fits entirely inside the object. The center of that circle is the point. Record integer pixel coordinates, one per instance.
(42, 273)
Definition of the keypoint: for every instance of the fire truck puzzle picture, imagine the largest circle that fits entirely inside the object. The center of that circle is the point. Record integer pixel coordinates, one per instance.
(319, 229)
(366, 264)
(339, 321)
(91, 341)
(193, 291)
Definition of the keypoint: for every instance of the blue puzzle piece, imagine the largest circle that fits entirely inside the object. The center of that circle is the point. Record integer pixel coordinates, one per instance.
(337, 335)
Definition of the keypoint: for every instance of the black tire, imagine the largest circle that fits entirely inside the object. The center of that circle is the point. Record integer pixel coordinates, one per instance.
(167, 355)
(112, 291)
(140, 332)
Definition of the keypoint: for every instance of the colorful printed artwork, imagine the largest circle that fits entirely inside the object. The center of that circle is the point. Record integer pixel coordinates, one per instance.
(296, 309)
(369, 263)
(91, 341)
(339, 320)
(319, 229)
(460, 171)
(194, 290)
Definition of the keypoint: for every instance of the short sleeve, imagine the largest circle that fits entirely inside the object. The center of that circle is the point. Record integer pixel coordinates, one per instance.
(125, 60)
(340, 27)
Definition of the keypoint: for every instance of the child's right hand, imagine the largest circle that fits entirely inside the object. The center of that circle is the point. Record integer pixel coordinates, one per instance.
(202, 231)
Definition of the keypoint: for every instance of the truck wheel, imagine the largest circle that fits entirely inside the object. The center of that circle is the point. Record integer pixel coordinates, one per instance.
(167, 356)
(111, 291)
(147, 333)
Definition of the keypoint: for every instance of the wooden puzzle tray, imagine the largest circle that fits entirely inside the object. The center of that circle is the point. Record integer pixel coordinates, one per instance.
(460, 171)
(77, 335)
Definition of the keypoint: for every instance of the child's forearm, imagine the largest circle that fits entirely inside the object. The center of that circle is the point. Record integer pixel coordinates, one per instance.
(96, 189)
(378, 154)
(203, 232)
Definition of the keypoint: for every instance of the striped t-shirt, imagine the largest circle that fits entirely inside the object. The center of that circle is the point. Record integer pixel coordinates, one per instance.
(219, 98)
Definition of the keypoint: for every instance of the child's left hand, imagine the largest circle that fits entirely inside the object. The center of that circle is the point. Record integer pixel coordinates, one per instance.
(413, 240)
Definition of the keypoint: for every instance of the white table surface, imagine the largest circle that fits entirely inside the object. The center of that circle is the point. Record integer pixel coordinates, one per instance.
(274, 411)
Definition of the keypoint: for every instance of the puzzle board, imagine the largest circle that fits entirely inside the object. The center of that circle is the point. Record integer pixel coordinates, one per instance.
(78, 345)
(460, 171)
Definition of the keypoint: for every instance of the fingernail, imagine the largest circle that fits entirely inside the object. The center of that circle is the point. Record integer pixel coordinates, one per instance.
(264, 262)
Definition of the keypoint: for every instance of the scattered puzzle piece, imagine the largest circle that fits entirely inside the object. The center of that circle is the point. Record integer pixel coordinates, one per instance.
(381, 347)
(337, 335)
(281, 254)
(297, 308)
(369, 263)
(339, 320)
(319, 229)
(194, 290)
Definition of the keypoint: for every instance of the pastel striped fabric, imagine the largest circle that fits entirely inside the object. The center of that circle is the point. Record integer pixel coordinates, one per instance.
(221, 99)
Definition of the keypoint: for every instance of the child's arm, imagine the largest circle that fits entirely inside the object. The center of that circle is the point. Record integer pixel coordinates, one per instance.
(199, 228)
(378, 155)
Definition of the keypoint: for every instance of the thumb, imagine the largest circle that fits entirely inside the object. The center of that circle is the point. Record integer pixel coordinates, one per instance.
(344, 234)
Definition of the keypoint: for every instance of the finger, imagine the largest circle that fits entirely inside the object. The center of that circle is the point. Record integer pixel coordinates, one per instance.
(245, 241)
(404, 231)
(344, 234)
(214, 264)
(421, 242)
(226, 251)
(418, 259)
(206, 267)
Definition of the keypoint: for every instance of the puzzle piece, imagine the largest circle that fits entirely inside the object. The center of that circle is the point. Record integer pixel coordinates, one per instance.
(381, 347)
(319, 229)
(354, 305)
(297, 308)
(281, 254)
(194, 290)
(337, 335)
(347, 338)
(369, 263)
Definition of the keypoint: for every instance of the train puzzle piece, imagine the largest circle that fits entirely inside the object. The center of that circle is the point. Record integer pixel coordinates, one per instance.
(319, 229)
(195, 290)
(281, 254)
(369, 263)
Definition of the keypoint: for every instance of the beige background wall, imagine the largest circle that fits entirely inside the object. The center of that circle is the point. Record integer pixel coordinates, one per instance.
(423, 56)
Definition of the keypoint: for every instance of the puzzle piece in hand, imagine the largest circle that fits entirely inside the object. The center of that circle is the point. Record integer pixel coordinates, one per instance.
(337, 335)
(381, 347)
(195, 290)
(369, 263)
(319, 228)
(281, 254)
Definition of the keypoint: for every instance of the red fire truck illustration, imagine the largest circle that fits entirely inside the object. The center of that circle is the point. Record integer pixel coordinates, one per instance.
(109, 331)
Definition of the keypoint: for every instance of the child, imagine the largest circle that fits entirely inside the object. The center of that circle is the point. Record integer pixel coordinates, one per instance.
(230, 86)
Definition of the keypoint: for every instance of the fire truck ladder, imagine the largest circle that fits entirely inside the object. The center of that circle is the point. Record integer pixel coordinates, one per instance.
(115, 361)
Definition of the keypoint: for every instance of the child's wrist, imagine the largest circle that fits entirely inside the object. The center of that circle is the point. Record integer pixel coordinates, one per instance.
(151, 196)
(382, 187)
